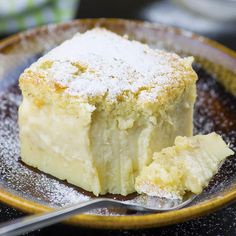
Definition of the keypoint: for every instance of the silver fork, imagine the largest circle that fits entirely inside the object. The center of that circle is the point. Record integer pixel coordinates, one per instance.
(30, 223)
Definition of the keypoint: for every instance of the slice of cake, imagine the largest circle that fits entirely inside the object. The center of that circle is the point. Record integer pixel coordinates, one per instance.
(186, 167)
(98, 106)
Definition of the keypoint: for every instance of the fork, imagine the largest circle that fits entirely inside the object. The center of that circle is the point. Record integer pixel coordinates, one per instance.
(30, 223)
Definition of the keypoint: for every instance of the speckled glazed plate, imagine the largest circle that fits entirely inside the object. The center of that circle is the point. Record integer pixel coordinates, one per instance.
(215, 110)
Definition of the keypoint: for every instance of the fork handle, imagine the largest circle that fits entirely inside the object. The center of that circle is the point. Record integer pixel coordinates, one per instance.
(30, 223)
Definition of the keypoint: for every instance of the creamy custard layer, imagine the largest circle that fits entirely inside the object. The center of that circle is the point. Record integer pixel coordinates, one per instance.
(96, 150)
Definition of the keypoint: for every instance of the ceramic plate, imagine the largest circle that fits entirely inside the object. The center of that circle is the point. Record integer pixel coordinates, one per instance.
(215, 110)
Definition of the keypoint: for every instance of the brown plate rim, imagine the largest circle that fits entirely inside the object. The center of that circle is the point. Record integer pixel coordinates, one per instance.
(130, 221)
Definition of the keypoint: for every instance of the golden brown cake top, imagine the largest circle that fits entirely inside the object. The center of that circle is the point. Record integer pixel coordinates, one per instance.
(100, 63)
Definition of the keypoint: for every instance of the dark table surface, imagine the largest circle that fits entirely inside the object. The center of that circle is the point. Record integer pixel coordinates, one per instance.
(222, 222)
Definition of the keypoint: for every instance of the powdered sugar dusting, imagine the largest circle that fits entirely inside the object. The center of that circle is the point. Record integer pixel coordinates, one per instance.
(155, 191)
(100, 62)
